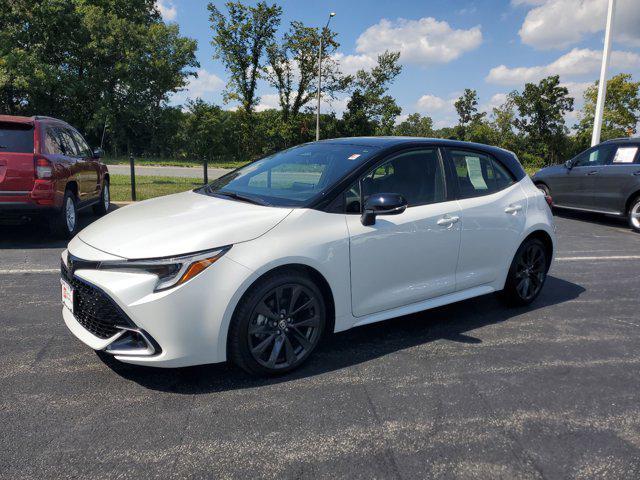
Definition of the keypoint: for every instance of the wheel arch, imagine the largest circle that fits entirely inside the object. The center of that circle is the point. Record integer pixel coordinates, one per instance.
(631, 198)
(73, 187)
(546, 240)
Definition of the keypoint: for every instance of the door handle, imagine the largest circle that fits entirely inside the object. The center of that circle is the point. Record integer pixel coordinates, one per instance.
(637, 173)
(447, 220)
(593, 172)
(513, 209)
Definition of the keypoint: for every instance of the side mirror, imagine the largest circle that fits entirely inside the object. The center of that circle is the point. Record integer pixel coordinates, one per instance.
(382, 204)
(98, 153)
(568, 164)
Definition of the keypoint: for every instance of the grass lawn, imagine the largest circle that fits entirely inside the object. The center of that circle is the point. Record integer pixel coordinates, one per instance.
(166, 162)
(149, 187)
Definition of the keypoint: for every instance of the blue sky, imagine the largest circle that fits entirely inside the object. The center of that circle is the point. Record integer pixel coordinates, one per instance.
(493, 46)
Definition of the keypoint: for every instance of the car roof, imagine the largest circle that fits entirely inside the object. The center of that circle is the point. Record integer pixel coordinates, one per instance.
(624, 140)
(27, 120)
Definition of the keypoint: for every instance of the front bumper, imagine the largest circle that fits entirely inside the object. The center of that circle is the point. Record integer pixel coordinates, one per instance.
(183, 326)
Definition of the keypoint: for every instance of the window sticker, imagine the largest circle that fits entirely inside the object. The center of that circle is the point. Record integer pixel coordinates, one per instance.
(625, 155)
(475, 173)
(354, 156)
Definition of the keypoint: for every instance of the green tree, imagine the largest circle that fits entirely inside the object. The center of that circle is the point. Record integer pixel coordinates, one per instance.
(415, 126)
(467, 107)
(239, 41)
(204, 130)
(621, 108)
(541, 109)
(370, 111)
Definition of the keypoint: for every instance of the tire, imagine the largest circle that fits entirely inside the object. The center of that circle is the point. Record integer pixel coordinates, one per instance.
(102, 207)
(633, 215)
(64, 224)
(527, 273)
(544, 189)
(268, 338)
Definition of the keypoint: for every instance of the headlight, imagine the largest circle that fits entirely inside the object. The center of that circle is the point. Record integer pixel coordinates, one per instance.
(173, 271)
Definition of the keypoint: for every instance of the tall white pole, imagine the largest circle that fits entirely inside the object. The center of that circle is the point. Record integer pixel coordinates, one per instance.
(602, 86)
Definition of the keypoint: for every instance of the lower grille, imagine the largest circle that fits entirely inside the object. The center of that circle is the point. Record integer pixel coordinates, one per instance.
(94, 310)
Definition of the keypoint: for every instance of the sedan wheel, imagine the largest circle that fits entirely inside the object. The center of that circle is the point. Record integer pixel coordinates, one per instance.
(527, 274)
(634, 215)
(278, 325)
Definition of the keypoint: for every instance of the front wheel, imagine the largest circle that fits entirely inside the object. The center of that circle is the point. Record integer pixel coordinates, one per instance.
(277, 324)
(634, 214)
(527, 273)
(102, 207)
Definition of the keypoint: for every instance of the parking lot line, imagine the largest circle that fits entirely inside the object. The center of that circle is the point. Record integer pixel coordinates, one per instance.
(19, 271)
(609, 257)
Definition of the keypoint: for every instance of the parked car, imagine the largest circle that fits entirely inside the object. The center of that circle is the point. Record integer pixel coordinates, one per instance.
(47, 169)
(602, 179)
(256, 266)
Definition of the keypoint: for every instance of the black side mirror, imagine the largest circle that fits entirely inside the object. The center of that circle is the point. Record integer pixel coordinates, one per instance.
(568, 164)
(382, 204)
(98, 153)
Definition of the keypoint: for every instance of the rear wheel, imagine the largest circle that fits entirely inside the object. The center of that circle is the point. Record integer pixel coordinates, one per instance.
(277, 324)
(634, 214)
(64, 224)
(102, 207)
(527, 273)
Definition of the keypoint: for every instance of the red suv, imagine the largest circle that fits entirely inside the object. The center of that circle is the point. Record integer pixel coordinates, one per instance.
(47, 169)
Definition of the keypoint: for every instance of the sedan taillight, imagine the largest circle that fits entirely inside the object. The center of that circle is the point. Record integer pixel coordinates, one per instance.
(44, 168)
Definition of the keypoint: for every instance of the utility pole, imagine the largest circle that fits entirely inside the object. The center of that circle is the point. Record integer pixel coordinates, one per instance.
(331, 15)
(602, 85)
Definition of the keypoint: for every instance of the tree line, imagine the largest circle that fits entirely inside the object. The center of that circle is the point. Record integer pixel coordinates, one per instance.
(110, 68)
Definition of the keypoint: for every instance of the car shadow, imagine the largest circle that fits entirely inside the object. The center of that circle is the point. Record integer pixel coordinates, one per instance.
(36, 233)
(454, 322)
(599, 218)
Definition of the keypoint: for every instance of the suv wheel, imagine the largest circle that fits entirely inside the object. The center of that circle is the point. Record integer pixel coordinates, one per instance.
(634, 214)
(277, 324)
(64, 224)
(527, 274)
(102, 207)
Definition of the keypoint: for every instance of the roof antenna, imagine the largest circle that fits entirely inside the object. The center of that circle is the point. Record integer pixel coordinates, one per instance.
(103, 132)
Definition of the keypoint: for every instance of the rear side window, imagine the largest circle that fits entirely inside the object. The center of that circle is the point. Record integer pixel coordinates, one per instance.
(16, 138)
(52, 142)
(625, 155)
(479, 174)
(84, 149)
(67, 143)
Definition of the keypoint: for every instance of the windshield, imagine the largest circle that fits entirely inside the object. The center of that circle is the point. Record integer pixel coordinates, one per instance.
(292, 177)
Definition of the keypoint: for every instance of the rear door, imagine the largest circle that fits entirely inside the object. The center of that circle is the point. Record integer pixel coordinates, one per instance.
(616, 179)
(73, 158)
(90, 167)
(16, 160)
(492, 217)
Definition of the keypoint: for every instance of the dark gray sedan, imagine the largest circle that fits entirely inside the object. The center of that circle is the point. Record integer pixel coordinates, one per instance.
(602, 179)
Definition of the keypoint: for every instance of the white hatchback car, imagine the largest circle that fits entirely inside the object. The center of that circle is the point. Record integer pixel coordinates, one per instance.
(258, 265)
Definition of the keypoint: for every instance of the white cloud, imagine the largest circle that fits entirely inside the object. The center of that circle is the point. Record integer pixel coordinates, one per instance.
(433, 103)
(350, 64)
(495, 101)
(422, 41)
(167, 10)
(267, 102)
(577, 62)
(560, 23)
(203, 86)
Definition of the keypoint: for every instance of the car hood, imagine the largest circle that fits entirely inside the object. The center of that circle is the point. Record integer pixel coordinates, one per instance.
(552, 170)
(179, 224)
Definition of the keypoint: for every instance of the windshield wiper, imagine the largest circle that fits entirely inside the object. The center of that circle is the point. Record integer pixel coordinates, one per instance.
(242, 198)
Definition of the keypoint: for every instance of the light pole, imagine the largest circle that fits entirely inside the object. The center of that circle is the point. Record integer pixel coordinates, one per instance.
(602, 86)
(331, 15)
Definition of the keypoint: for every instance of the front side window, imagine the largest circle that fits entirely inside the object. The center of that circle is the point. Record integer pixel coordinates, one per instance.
(292, 177)
(594, 157)
(479, 174)
(417, 175)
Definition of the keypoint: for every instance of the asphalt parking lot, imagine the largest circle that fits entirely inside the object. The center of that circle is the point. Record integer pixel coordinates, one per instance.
(472, 390)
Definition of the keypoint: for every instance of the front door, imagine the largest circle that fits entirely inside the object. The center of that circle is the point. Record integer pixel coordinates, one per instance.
(581, 179)
(411, 257)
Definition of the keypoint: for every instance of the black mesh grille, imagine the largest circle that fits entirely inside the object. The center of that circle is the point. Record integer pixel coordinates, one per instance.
(93, 309)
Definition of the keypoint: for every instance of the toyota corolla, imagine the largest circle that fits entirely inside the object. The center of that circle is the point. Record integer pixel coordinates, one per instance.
(257, 266)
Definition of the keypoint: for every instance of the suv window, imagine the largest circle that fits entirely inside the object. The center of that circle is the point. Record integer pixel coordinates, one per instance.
(83, 147)
(16, 138)
(52, 142)
(594, 156)
(417, 175)
(67, 143)
(479, 174)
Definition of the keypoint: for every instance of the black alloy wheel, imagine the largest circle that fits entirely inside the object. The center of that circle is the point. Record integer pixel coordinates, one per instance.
(527, 274)
(278, 325)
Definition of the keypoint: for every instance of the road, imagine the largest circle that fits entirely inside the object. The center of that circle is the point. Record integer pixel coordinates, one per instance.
(186, 172)
(472, 390)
